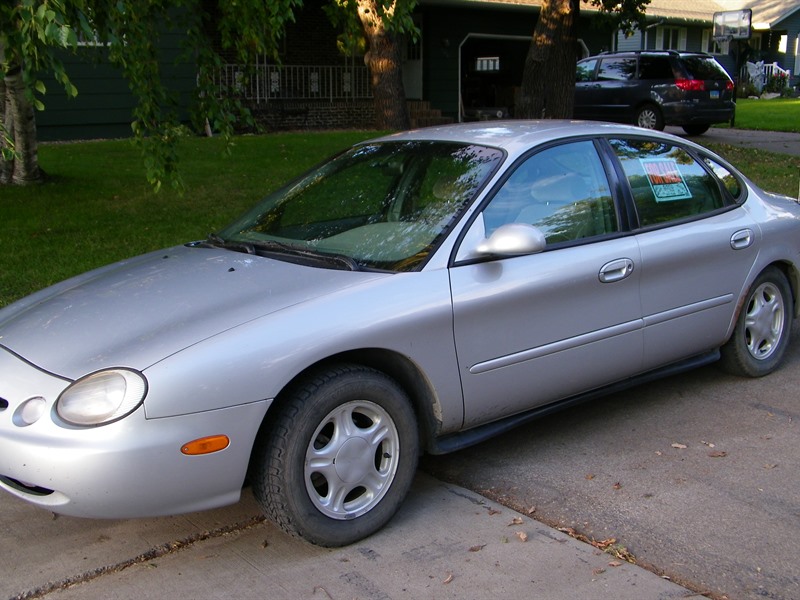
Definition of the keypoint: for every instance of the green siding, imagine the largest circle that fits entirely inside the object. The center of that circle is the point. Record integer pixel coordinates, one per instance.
(104, 104)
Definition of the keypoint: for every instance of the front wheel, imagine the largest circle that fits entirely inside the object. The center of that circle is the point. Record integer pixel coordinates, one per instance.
(649, 117)
(763, 328)
(337, 459)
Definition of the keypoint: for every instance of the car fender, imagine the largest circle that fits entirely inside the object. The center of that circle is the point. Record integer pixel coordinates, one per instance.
(409, 314)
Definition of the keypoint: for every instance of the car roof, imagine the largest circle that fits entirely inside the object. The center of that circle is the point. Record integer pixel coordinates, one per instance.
(652, 52)
(517, 136)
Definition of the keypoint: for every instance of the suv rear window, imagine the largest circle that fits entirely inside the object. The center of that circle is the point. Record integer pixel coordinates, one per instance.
(655, 67)
(703, 67)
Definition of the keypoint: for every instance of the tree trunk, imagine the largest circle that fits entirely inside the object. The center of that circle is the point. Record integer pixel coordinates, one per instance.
(5, 138)
(386, 76)
(20, 126)
(548, 81)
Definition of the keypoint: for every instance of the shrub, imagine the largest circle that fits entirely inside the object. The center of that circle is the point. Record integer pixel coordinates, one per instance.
(777, 83)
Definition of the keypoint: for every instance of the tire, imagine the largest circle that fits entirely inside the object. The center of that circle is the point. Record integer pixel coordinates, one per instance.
(338, 458)
(763, 327)
(695, 129)
(649, 117)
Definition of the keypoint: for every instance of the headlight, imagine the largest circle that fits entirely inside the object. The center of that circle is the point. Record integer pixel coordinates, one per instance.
(102, 397)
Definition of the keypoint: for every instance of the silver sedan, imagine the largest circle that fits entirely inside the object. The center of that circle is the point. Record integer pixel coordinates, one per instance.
(420, 292)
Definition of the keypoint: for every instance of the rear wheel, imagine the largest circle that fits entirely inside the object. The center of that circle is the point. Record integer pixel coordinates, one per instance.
(695, 129)
(763, 328)
(336, 461)
(649, 117)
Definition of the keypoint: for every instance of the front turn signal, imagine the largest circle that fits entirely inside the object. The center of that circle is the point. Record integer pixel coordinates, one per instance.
(206, 445)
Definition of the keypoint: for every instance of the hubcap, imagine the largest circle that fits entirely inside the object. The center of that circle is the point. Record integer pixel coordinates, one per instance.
(647, 119)
(763, 324)
(351, 460)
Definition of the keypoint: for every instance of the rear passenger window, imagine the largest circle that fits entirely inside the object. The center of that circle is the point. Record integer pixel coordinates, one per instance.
(655, 67)
(668, 184)
(617, 69)
(726, 177)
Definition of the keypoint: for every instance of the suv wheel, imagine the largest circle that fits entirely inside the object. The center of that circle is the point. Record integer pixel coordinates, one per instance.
(649, 117)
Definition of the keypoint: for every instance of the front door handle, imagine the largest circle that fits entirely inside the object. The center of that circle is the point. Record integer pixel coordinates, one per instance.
(616, 270)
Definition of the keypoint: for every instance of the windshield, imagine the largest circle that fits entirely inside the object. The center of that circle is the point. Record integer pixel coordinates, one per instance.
(382, 206)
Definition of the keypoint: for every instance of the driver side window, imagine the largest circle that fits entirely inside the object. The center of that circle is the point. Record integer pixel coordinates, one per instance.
(562, 190)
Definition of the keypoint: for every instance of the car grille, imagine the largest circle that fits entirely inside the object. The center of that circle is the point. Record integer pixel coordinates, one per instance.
(24, 487)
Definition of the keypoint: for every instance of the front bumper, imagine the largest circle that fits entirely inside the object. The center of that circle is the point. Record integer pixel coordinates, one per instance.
(131, 468)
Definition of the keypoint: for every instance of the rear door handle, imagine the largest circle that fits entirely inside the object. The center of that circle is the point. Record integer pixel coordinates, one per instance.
(616, 270)
(742, 239)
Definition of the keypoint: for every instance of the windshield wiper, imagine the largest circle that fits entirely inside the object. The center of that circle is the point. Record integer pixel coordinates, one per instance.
(215, 240)
(339, 260)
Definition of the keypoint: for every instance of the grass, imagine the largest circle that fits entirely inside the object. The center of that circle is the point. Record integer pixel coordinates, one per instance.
(96, 207)
(779, 114)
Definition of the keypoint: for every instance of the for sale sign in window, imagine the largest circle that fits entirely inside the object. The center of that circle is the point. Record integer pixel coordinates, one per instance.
(665, 179)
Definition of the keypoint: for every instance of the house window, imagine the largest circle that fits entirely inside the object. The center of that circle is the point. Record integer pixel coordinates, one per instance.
(487, 63)
(670, 38)
(713, 46)
(783, 44)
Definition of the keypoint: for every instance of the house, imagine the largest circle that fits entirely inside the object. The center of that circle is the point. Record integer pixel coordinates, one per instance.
(466, 64)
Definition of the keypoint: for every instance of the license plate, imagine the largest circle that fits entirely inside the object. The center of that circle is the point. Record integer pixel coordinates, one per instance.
(715, 94)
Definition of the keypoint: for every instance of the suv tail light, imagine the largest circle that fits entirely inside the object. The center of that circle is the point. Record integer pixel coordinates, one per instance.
(691, 85)
(729, 86)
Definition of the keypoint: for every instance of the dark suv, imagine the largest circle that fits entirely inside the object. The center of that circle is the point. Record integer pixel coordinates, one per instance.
(655, 88)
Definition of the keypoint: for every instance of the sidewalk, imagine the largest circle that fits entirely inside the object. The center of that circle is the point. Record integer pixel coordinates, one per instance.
(772, 141)
(446, 542)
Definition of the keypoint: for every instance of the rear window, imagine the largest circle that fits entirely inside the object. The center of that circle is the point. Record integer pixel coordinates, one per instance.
(703, 67)
(667, 183)
(655, 67)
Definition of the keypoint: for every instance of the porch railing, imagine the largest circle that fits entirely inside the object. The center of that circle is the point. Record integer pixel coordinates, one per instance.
(759, 73)
(268, 83)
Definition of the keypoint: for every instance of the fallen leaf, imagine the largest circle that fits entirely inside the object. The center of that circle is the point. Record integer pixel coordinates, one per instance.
(531, 510)
(709, 444)
(523, 537)
(515, 521)
(448, 579)
(615, 563)
(617, 486)
(477, 548)
(770, 466)
(590, 476)
(718, 454)
(598, 571)
(493, 511)
(679, 446)
(658, 453)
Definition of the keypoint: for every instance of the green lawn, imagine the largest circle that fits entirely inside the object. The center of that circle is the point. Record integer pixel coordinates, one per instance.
(97, 207)
(779, 114)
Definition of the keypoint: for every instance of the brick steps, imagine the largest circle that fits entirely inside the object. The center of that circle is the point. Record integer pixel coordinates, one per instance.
(423, 115)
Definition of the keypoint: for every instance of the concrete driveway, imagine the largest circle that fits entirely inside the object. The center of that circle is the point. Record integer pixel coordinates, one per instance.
(772, 141)
(698, 476)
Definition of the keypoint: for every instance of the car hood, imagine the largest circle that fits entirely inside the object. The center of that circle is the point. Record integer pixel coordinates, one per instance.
(136, 312)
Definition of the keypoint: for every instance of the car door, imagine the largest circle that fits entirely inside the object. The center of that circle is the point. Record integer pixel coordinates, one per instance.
(585, 83)
(532, 329)
(697, 248)
(612, 94)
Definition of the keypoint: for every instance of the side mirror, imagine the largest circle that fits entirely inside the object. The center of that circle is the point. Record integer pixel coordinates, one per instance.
(512, 239)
